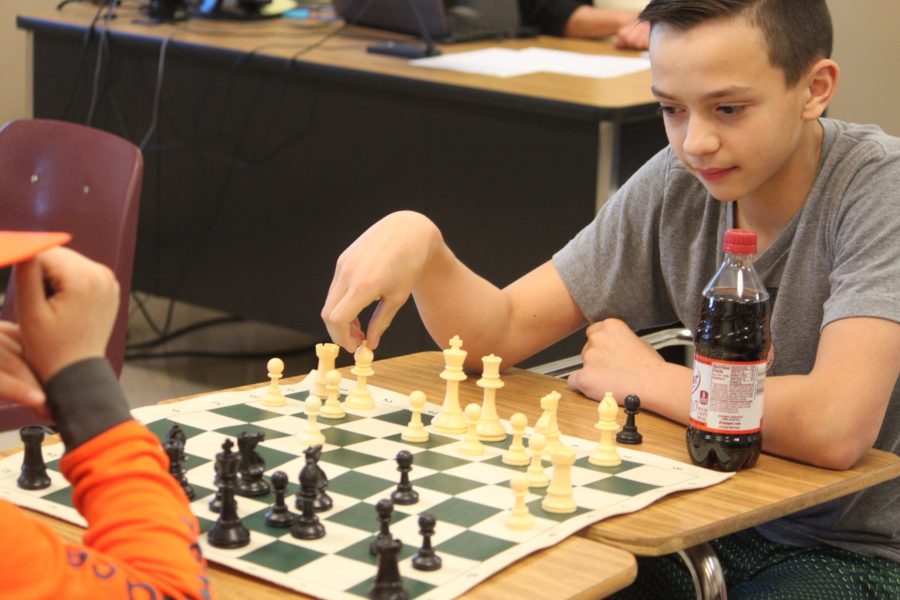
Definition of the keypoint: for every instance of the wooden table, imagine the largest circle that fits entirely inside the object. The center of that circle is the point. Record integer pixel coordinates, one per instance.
(682, 522)
(261, 162)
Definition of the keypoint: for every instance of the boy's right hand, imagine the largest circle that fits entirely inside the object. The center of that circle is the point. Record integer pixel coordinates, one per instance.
(383, 265)
(66, 309)
(17, 382)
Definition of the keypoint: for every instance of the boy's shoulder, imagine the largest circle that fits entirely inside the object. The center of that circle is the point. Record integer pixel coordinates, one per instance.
(845, 135)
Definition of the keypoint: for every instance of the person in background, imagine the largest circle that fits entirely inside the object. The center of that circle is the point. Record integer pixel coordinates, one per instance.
(589, 20)
(141, 538)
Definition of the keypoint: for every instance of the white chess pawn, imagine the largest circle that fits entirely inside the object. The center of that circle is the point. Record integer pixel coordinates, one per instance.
(332, 408)
(559, 494)
(489, 427)
(606, 454)
(311, 434)
(360, 397)
(471, 445)
(516, 454)
(537, 478)
(520, 518)
(327, 354)
(273, 396)
(450, 419)
(415, 431)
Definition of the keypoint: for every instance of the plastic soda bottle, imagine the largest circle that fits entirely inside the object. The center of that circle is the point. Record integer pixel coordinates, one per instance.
(731, 346)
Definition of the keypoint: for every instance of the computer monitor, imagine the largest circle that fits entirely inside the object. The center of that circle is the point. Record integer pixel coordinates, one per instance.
(395, 15)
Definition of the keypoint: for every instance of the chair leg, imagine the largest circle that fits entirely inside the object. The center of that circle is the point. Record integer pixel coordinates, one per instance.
(706, 572)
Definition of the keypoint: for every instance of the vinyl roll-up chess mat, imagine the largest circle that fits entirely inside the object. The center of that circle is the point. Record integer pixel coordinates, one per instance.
(470, 496)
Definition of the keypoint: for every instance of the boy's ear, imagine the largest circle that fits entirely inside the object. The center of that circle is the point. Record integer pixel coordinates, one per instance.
(821, 84)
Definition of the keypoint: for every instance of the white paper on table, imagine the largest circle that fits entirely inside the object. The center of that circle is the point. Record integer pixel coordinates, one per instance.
(499, 62)
(503, 62)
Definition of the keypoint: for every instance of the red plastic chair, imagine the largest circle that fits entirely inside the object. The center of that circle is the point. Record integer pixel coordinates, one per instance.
(60, 176)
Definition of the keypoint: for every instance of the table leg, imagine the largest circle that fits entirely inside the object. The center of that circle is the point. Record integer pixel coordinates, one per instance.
(706, 571)
(607, 158)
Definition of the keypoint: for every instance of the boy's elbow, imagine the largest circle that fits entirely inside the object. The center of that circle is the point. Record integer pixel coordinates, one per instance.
(841, 454)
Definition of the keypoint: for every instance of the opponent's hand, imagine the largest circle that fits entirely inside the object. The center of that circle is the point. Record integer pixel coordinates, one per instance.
(383, 265)
(75, 319)
(634, 36)
(615, 360)
(17, 382)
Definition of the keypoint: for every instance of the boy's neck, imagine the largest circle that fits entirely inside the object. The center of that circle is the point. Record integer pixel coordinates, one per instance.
(770, 208)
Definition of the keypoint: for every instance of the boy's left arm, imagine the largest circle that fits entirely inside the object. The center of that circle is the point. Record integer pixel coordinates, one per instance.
(829, 417)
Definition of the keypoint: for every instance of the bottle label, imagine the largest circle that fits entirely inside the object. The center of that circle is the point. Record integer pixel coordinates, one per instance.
(727, 396)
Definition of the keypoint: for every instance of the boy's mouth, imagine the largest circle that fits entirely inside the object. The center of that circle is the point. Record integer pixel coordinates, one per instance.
(715, 174)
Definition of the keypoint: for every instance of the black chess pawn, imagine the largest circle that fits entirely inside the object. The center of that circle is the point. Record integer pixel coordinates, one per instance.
(228, 531)
(307, 525)
(279, 515)
(404, 494)
(252, 465)
(176, 467)
(426, 559)
(388, 583)
(384, 509)
(629, 433)
(34, 470)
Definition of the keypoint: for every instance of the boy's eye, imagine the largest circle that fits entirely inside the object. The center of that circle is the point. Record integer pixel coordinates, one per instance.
(665, 110)
(731, 110)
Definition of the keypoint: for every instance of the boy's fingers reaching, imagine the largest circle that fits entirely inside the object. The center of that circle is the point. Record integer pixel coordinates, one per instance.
(381, 319)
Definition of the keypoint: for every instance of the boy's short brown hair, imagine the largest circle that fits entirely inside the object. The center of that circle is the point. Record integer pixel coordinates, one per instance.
(798, 32)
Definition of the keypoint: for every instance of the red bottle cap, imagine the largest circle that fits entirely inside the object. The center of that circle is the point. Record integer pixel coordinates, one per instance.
(739, 241)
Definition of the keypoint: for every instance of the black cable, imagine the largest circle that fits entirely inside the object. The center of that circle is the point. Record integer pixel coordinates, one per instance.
(221, 355)
(88, 34)
(184, 331)
(157, 93)
(169, 313)
(102, 47)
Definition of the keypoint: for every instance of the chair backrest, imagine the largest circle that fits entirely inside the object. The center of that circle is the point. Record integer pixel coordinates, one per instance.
(59, 176)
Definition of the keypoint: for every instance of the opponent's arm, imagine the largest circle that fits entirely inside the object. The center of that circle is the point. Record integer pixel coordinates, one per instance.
(591, 23)
(828, 418)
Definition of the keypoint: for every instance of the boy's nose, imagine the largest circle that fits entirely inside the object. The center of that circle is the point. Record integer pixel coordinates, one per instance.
(700, 138)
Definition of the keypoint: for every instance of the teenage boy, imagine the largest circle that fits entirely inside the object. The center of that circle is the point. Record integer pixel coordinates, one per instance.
(141, 539)
(742, 86)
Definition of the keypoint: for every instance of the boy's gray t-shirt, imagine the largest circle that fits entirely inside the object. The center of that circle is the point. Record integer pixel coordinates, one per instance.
(652, 248)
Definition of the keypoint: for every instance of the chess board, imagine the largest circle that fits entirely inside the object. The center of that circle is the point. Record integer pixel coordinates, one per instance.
(470, 496)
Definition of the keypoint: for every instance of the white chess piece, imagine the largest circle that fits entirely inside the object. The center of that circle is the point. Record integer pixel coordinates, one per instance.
(559, 494)
(537, 478)
(547, 424)
(471, 445)
(520, 518)
(327, 354)
(606, 454)
(489, 427)
(450, 419)
(360, 397)
(273, 396)
(516, 454)
(332, 408)
(415, 431)
(311, 434)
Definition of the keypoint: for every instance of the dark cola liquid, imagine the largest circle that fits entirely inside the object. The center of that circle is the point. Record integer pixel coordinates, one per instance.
(735, 330)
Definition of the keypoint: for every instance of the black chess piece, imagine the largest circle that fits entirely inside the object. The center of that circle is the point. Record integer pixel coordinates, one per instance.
(426, 559)
(279, 515)
(384, 509)
(629, 433)
(404, 494)
(252, 465)
(176, 455)
(228, 531)
(323, 501)
(388, 583)
(307, 526)
(176, 436)
(34, 470)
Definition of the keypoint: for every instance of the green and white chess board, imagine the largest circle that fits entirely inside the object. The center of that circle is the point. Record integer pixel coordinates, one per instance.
(470, 496)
